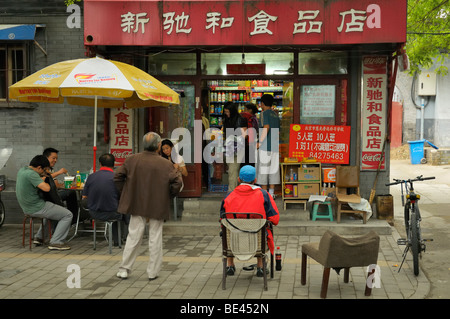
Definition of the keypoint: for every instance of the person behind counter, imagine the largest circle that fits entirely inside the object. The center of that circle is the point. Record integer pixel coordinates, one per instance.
(67, 195)
(30, 180)
(102, 195)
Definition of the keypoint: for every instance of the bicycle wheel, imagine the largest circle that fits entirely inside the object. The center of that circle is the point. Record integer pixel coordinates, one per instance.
(2, 213)
(415, 241)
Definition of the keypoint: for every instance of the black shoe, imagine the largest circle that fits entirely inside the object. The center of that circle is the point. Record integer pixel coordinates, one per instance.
(231, 270)
(38, 241)
(260, 272)
(151, 279)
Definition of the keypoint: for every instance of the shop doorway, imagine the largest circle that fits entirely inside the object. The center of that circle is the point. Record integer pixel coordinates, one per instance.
(177, 123)
(215, 95)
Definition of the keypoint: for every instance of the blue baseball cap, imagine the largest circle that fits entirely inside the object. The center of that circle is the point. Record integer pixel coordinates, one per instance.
(247, 174)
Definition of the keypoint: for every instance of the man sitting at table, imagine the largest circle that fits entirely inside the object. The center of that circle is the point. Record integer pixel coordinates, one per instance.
(30, 180)
(102, 194)
(67, 195)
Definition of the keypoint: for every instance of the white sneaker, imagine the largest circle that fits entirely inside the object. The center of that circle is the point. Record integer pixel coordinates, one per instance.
(122, 274)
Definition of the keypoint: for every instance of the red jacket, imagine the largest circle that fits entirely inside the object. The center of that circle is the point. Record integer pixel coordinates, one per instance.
(248, 198)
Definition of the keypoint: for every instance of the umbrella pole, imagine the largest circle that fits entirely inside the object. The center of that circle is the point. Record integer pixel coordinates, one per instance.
(95, 134)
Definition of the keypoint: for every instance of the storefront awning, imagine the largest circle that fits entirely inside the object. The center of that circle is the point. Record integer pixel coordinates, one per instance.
(17, 31)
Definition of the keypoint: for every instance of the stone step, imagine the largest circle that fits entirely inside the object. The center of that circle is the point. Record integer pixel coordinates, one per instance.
(200, 216)
(285, 227)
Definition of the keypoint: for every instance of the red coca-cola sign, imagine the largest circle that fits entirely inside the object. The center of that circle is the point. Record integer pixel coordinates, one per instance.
(371, 160)
(121, 155)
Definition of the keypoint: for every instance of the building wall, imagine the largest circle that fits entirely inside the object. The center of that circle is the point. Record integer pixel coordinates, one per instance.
(26, 132)
(442, 111)
(436, 112)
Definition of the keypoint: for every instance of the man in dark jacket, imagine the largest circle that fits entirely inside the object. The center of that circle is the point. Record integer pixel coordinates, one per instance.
(102, 195)
(146, 182)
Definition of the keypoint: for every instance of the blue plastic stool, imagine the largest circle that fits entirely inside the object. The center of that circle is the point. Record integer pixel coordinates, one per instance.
(316, 215)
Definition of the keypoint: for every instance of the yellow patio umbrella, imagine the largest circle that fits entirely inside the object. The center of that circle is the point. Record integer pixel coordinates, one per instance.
(94, 82)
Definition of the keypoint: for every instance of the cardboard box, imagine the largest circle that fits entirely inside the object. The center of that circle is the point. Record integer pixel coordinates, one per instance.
(308, 189)
(309, 174)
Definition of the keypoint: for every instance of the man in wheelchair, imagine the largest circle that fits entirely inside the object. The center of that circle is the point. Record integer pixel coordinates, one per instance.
(250, 198)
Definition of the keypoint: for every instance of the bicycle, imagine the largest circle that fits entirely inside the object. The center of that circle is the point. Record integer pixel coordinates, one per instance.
(414, 240)
(2, 207)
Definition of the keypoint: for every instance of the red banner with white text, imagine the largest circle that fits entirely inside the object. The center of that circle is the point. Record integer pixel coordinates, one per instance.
(326, 143)
(243, 22)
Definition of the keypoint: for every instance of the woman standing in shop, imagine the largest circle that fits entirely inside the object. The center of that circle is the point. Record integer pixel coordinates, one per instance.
(176, 159)
(234, 127)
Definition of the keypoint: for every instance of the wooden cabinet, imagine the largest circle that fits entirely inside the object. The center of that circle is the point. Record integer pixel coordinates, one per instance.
(299, 181)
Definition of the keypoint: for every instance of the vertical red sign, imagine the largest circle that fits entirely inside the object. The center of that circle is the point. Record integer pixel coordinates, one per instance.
(373, 113)
(121, 141)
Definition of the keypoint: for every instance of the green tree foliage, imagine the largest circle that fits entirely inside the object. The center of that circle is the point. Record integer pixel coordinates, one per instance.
(69, 2)
(428, 34)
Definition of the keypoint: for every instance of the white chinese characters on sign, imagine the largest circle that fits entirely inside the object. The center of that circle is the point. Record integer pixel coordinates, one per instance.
(314, 26)
(213, 19)
(308, 21)
(261, 20)
(180, 22)
(132, 21)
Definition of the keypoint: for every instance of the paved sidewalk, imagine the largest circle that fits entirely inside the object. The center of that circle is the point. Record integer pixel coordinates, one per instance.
(192, 269)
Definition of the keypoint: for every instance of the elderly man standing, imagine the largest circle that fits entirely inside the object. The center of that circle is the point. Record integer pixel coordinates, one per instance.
(146, 182)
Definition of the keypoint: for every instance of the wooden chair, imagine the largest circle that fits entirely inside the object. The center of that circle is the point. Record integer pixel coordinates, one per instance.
(334, 251)
(244, 237)
(347, 191)
(31, 219)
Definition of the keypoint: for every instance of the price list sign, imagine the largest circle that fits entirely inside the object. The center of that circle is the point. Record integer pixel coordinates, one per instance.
(326, 143)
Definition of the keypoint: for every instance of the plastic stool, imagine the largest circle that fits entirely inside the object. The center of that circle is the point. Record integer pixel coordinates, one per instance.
(108, 228)
(32, 229)
(328, 215)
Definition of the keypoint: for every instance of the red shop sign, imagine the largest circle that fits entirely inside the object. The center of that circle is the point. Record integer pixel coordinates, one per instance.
(325, 143)
(243, 22)
(246, 68)
(121, 132)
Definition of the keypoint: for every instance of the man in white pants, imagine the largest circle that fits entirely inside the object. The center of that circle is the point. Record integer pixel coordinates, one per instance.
(146, 182)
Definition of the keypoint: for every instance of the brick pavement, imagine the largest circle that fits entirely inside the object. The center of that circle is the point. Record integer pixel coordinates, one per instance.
(192, 269)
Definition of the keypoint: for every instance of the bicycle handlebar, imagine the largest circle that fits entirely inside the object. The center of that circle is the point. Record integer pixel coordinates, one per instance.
(418, 178)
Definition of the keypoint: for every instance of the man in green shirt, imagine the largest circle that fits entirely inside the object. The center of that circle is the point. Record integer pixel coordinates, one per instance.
(30, 180)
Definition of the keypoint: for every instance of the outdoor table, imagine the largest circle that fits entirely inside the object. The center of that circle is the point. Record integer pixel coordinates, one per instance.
(79, 191)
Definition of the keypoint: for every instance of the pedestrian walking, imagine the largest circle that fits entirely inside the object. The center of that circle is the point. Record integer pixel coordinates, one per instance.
(146, 182)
